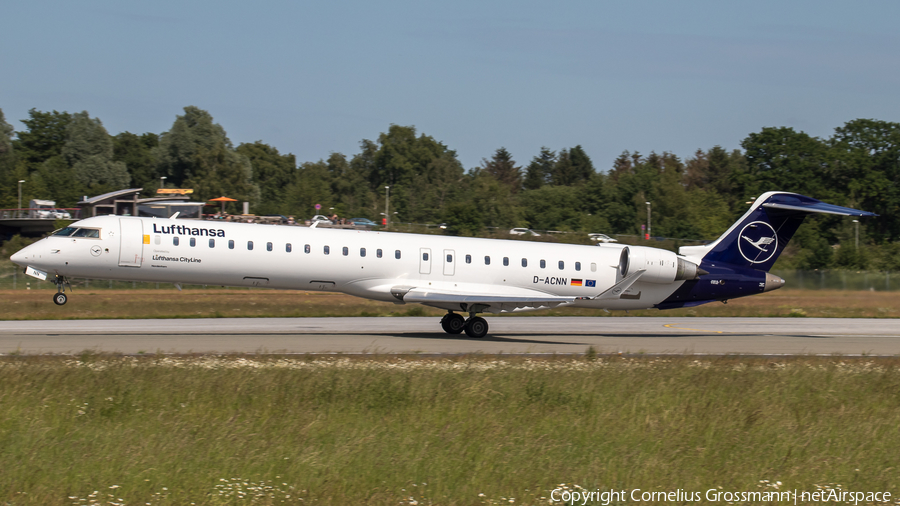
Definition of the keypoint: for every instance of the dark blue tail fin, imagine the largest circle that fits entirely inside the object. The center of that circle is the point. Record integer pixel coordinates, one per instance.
(756, 240)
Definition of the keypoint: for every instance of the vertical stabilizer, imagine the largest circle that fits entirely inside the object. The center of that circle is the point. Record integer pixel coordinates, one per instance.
(756, 240)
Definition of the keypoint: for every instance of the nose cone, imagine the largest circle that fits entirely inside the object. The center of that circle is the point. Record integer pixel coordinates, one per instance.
(21, 257)
(18, 257)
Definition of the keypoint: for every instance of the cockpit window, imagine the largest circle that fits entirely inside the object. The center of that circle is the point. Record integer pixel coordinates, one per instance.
(65, 232)
(87, 232)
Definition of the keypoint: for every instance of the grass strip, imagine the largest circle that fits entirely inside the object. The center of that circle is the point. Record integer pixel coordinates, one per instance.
(220, 303)
(101, 429)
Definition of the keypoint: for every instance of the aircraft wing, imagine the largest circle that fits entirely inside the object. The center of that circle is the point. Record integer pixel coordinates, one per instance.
(482, 303)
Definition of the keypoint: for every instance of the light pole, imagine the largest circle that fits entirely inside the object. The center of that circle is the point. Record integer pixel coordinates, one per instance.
(648, 220)
(387, 202)
(19, 209)
(857, 234)
(162, 182)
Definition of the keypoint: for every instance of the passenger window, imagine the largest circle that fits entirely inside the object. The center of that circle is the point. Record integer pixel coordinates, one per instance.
(287, 247)
(212, 243)
(468, 259)
(174, 241)
(524, 262)
(156, 240)
(487, 260)
(397, 254)
(230, 243)
(268, 246)
(577, 266)
(543, 264)
(345, 251)
(593, 267)
(449, 259)
(250, 245)
(506, 261)
(562, 265)
(425, 256)
(327, 250)
(378, 252)
(362, 252)
(193, 241)
(306, 248)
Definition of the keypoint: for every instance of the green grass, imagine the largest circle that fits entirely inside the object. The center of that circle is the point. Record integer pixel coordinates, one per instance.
(169, 430)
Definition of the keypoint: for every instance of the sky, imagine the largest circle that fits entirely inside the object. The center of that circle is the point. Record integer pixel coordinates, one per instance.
(313, 78)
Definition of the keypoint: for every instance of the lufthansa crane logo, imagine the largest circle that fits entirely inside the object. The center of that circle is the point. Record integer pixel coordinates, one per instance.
(95, 250)
(758, 242)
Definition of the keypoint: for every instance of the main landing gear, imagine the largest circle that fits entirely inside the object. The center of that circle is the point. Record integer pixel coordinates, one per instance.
(474, 326)
(59, 298)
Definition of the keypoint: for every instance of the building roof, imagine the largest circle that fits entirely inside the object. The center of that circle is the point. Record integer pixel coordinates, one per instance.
(110, 195)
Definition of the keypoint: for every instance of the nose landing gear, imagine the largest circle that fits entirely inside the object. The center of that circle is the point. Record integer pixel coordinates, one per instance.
(59, 298)
(474, 326)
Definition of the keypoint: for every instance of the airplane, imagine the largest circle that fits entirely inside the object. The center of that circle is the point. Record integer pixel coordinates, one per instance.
(464, 276)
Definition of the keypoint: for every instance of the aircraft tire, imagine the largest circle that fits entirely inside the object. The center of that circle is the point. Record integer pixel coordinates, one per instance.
(453, 323)
(476, 327)
(59, 298)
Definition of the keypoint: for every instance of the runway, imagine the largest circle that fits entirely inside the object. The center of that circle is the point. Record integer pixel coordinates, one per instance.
(515, 335)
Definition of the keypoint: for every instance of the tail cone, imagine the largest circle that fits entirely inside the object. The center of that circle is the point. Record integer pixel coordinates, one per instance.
(773, 282)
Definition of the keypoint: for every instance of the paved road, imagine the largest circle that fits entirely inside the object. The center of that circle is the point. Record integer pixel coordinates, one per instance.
(532, 334)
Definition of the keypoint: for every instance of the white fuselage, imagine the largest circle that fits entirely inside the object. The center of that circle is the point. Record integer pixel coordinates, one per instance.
(357, 262)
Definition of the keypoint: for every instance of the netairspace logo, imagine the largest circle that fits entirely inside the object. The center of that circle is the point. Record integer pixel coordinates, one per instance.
(834, 495)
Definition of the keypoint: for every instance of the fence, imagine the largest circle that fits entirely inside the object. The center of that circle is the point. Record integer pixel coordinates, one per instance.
(841, 280)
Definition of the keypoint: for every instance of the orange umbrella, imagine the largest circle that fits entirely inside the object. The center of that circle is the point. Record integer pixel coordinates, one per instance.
(223, 200)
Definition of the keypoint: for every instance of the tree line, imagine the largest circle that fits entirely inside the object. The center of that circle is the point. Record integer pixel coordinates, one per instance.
(63, 156)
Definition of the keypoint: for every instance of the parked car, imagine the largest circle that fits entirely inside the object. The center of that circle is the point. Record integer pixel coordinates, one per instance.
(320, 219)
(58, 214)
(601, 238)
(362, 222)
(524, 231)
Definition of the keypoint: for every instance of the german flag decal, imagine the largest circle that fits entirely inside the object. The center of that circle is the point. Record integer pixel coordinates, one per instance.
(576, 282)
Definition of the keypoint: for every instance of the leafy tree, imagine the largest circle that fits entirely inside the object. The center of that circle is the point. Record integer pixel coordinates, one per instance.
(6, 134)
(136, 152)
(404, 161)
(272, 172)
(7, 163)
(552, 208)
(463, 218)
(89, 152)
(495, 201)
(44, 138)
(539, 170)
(311, 186)
(780, 158)
(867, 168)
(502, 167)
(178, 148)
(197, 153)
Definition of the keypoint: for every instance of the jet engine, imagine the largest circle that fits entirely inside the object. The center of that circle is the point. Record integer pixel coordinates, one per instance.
(661, 266)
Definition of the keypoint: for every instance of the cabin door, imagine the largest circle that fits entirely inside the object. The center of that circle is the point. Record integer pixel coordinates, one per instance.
(131, 242)
(424, 260)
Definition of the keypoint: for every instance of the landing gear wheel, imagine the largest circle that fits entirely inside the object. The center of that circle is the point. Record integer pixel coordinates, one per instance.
(476, 326)
(59, 298)
(453, 323)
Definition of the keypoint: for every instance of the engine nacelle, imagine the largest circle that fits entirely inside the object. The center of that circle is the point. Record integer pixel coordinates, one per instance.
(661, 266)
